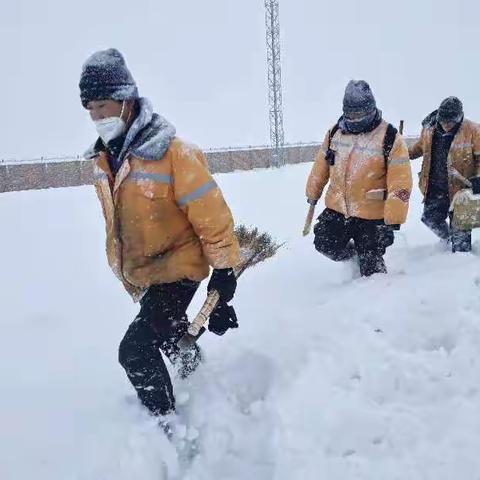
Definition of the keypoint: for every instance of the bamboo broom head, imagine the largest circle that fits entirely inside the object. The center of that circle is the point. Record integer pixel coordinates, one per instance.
(255, 246)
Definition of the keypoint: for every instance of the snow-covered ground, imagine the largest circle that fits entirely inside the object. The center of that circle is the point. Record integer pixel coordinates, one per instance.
(328, 377)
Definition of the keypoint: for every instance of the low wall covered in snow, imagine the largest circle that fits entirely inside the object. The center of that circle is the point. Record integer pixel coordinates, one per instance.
(34, 176)
(67, 172)
(46, 173)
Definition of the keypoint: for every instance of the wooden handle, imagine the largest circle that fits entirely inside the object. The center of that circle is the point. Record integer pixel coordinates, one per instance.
(308, 220)
(202, 316)
(212, 301)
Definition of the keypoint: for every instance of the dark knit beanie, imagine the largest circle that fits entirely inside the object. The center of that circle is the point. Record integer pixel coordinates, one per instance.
(105, 76)
(450, 110)
(358, 98)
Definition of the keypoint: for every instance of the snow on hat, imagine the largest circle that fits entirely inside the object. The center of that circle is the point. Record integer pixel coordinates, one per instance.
(105, 76)
(358, 98)
(450, 110)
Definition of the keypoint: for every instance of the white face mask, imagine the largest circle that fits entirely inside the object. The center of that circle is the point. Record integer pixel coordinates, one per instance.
(111, 127)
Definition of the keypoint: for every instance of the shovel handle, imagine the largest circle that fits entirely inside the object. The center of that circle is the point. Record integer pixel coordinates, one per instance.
(202, 316)
(308, 220)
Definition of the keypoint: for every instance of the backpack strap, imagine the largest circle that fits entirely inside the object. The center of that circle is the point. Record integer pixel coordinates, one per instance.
(333, 131)
(330, 154)
(388, 141)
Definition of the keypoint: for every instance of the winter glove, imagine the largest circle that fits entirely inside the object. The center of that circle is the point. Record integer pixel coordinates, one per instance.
(222, 318)
(385, 234)
(475, 181)
(224, 282)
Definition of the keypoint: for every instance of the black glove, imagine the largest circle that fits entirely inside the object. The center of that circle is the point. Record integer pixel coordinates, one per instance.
(475, 184)
(386, 236)
(224, 282)
(222, 318)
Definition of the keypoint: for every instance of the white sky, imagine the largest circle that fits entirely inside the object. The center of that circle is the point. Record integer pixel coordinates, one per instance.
(202, 63)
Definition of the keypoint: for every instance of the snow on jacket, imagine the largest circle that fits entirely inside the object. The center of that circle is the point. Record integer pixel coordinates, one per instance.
(463, 156)
(166, 218)
(362, 184)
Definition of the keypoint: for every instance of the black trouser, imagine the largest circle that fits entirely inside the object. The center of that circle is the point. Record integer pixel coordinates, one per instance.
(159, 325)
(435, 214)
(334, 234)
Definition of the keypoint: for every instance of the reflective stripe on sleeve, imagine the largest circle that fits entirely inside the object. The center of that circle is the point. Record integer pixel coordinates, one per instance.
(99, 176)
(197, 193)
(399, 161)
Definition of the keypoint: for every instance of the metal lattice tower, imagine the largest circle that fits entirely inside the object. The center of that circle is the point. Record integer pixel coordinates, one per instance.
(272, 22)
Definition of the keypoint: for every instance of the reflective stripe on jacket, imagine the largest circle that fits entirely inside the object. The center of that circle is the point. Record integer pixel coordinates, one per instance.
(166, 219)
(362, 184)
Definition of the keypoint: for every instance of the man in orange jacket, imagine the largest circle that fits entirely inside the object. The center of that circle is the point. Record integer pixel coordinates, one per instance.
(450, 146)
(166, 224)
(367, 164)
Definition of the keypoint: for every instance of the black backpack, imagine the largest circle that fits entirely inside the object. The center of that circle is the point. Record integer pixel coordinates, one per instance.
(388, 142)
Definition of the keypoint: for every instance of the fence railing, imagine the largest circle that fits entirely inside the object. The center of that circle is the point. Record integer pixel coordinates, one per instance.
(45, 159)
(79, 157)
(74, 170)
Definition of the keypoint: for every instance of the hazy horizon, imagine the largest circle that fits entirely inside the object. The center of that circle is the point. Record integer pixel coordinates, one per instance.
(204, 65)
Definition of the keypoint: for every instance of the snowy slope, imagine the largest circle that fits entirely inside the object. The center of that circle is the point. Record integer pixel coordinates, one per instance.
(328, 377)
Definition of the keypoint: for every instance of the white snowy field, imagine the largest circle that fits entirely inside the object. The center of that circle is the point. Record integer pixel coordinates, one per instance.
(328, 377)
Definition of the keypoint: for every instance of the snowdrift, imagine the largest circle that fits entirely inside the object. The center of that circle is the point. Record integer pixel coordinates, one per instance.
(329, 375)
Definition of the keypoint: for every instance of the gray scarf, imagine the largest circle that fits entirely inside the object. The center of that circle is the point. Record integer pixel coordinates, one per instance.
(364, 125)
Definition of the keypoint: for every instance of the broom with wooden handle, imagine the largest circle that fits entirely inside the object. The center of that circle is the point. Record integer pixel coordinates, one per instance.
(308, 220)
(255, 248)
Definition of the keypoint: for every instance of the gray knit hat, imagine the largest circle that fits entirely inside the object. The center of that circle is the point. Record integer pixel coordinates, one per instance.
(105, 76)
(358, 98)
(450, 110)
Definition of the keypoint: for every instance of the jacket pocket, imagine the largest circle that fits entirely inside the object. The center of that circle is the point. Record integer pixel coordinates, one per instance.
(153, 190)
